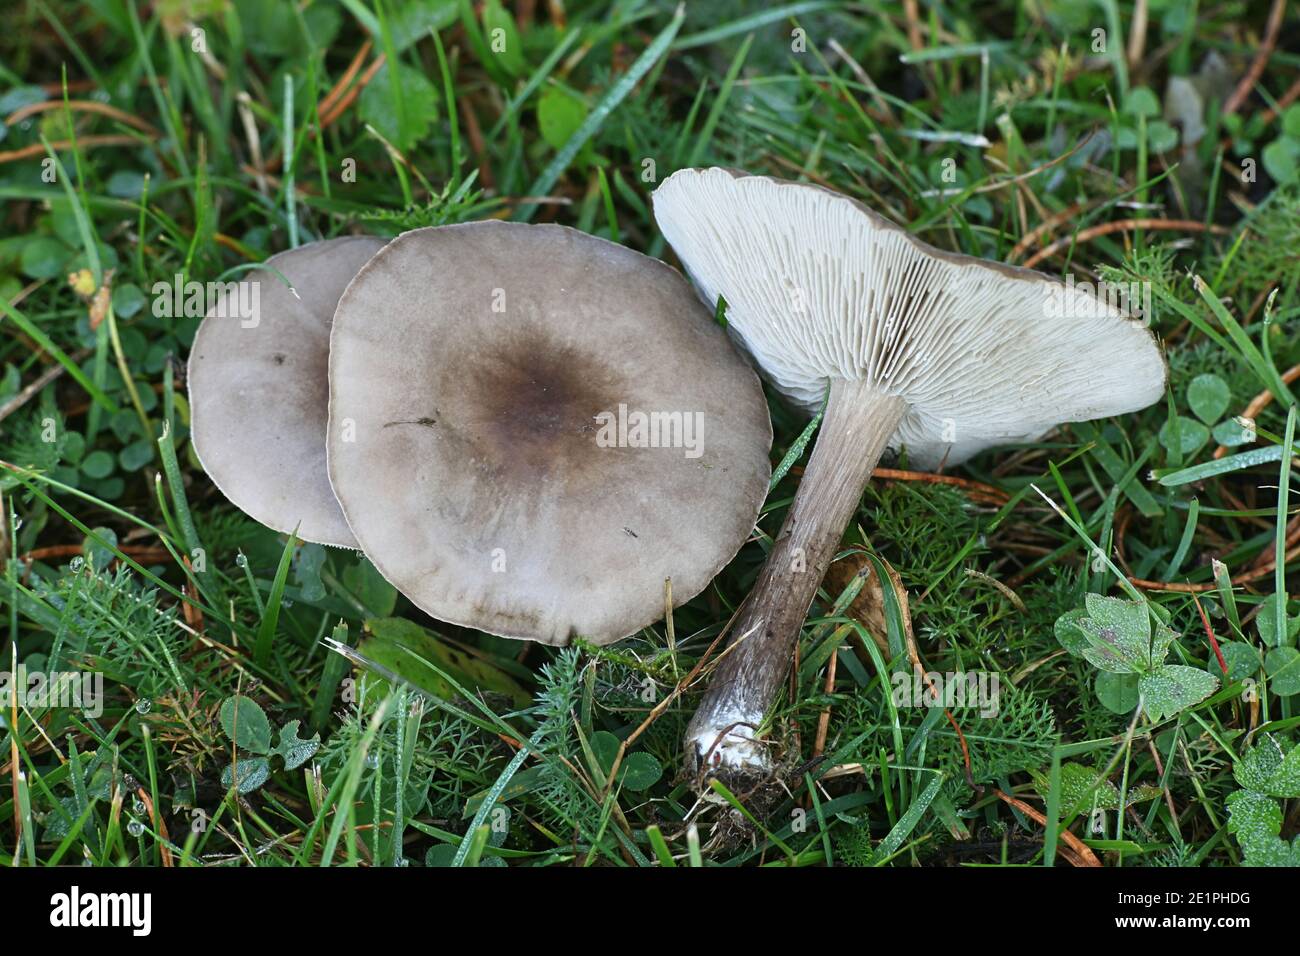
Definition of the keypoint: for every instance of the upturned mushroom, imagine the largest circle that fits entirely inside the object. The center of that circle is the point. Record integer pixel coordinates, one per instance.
(543, 428)
(909, 346)
(259, 396)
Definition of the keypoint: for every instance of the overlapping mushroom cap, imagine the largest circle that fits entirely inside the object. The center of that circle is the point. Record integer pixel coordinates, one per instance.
(818, 286)
(259, 392)
(532, 428)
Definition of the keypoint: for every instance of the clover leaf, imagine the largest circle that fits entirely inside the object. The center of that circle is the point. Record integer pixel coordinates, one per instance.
(1119, 639)
(1270, 769)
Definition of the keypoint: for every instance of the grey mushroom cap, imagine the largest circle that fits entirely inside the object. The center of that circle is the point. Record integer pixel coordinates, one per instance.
(474, 441)
(818, 286)
(259, 390)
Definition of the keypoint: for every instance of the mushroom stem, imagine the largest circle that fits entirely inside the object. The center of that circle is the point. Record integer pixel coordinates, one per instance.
(723, 733)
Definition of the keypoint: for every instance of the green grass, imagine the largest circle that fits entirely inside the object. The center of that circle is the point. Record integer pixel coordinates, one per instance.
(168, 151)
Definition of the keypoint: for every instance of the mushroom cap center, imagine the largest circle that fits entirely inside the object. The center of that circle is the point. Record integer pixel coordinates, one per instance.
(539, 407)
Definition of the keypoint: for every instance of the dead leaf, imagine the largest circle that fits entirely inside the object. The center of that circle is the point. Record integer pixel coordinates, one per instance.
(99, 306)
(868, 607)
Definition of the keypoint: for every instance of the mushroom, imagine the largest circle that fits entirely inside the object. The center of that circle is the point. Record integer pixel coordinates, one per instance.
(909, 346)
(543, 429)
(259, 396)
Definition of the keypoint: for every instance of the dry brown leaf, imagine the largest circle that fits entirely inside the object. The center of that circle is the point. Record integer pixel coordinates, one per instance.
(99, 304)
(868, 607)
(98, 300)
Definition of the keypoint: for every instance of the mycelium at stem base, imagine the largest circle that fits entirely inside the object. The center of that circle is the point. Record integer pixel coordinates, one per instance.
(724, 734)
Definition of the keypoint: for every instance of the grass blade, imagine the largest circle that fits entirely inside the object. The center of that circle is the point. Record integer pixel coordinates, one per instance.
(266, 630)
(616, 94)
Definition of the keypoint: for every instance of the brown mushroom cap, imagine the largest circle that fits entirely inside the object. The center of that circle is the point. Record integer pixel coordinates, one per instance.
(259, 391)
(468, 447)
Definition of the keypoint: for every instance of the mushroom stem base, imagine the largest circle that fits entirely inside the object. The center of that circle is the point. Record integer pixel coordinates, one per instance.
(724, 736)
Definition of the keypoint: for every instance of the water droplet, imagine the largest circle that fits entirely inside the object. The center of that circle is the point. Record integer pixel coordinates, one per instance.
(286, 602)
(143, 705)
(241, 560)
(135, 828)
(139, 807)
(372, 760)
(76, 564)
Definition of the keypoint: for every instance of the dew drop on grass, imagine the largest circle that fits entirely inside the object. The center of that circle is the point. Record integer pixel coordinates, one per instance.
(76, 564)
(241, 560)
(143, 705)
(135, 828)
(372, 760)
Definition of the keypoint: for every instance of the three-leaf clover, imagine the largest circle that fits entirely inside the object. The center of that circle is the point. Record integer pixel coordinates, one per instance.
(1269, 770)
(1141, 114)
(1118, 638)
(1208, 397)
(1282, 660)
(1084, 787)
(638, 769)
(246, 724)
